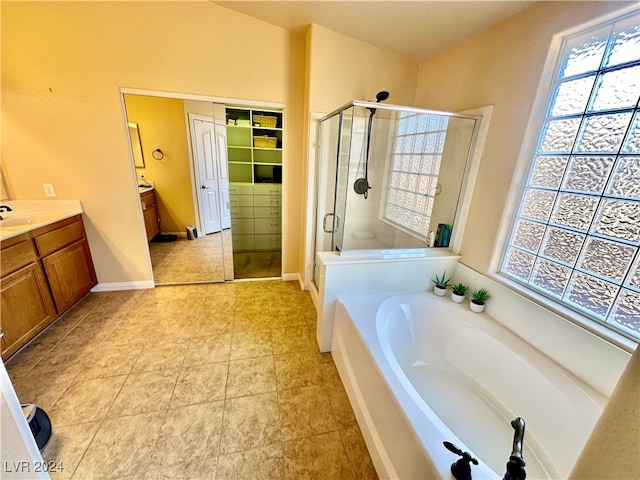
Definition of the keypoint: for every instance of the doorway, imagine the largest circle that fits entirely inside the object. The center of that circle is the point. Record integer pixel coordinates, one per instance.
(186, 164)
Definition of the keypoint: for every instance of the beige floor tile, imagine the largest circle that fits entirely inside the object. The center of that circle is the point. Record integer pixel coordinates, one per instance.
(340, 406)
(251, 314)
(188, 433)
(262, 463)
(200, 384)
(208, 349)
(294, 339)
(305, 411)
(251, 344)
(145, 392)
(357, 453)
(66, 447)
(251, 376)
(250, 422)
(161, 355)
(86, 401)
(218, 351)
(318, 457)
(196, 468)
(298, 369)
(122, 446)
(110, 360)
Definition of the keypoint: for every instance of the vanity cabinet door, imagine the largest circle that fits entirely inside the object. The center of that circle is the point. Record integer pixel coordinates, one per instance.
(70, 273)
(151, 221)
(150, 213)
(26, 306)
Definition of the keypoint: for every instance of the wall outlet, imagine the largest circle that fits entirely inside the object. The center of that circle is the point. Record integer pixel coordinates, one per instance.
(49, 190)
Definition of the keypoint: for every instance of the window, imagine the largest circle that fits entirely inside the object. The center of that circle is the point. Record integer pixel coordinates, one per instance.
(576, 232)
(416, 157)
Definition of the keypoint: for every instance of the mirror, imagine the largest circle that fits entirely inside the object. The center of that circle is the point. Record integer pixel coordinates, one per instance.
(183, 246)
(136, 146)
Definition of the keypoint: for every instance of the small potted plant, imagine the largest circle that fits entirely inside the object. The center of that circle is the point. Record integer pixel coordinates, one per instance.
(458, 291)
(440, 284)
(478, 298)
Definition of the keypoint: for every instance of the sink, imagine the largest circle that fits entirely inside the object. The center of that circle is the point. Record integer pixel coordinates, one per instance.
(20, 220)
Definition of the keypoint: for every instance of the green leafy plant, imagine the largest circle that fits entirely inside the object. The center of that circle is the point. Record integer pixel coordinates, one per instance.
(459, 289)
(442, 281)
(480, 296)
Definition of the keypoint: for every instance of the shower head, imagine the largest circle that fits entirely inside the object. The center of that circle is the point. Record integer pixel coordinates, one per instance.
(382, 96)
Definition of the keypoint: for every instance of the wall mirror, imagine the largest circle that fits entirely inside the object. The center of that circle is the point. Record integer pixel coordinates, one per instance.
(136, 145)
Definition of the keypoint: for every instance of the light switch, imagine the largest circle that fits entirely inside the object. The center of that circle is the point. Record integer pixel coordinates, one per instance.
(49, 190)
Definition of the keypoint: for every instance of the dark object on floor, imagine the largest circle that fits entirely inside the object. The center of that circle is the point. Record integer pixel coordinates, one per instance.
(192, 232)
(39, 423)
(165, 237)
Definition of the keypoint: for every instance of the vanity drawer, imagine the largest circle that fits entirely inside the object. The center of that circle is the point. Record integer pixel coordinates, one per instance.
(16, 253)
(240, 201)
(267, 201)
(268, 225)
(267, 189)
(241, 212)
(268, 242)
(267, 212)
(243, 242)
(53, 237)
(242, 226)
(241, 189)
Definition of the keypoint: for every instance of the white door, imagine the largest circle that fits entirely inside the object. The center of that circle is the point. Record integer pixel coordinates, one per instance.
(223, 178)
(207, 175)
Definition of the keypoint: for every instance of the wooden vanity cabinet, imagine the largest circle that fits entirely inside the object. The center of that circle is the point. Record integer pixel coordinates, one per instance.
(26, 303)
(66, 260)
(150, 213)
(44, 273)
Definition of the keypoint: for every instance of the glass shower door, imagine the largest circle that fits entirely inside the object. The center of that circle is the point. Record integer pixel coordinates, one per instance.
(333, 169)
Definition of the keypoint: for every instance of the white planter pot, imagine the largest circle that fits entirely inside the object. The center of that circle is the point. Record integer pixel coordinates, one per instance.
(476, 307)
(439, 291)
(457, 298)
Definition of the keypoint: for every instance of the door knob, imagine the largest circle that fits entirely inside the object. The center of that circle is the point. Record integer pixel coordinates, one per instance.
(203, 187)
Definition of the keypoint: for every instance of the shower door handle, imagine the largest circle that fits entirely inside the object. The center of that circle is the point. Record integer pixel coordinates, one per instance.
(324, 223)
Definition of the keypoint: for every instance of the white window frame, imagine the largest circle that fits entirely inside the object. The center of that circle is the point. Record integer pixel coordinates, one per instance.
(525, 157)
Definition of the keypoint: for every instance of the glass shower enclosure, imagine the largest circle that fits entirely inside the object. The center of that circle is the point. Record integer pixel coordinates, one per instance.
(390, 177)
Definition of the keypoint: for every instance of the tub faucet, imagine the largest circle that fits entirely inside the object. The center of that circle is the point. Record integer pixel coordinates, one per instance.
(515, 465)
(5, 208)
(461, 469)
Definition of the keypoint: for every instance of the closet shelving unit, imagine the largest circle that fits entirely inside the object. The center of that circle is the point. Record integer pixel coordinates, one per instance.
(254, 146)
(254, 141)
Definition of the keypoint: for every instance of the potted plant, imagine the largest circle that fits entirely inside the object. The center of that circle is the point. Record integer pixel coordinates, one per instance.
(478, 298)
(458, 291)
(440, 284)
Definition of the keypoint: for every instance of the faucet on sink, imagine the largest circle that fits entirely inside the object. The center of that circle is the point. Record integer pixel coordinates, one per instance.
(5, 208)
(515, 465)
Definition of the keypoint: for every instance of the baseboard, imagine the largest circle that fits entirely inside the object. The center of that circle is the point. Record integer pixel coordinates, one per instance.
(111, 287)
(291, 277)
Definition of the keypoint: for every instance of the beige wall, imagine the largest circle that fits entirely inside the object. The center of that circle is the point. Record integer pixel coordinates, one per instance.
(62, 120)
(500, 67)
(161, 123)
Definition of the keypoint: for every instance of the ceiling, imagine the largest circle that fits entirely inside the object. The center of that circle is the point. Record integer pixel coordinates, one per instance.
(416, 30)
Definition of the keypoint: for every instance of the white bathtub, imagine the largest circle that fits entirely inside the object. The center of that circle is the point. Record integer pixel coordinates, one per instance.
(420, 369)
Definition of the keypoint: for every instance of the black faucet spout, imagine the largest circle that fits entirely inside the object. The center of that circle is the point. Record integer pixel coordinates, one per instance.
(5, 208)
(516, 464)
(518, 436)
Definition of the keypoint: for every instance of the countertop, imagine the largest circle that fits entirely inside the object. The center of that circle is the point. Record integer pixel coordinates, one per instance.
(27, 215)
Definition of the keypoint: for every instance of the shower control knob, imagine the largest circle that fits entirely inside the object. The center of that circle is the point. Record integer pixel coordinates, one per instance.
(461, 469)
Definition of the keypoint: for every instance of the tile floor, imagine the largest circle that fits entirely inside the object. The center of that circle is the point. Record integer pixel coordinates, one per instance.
(206, 259)
(207, 381)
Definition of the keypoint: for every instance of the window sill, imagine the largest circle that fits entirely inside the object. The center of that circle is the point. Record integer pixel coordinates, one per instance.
(618, 339)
